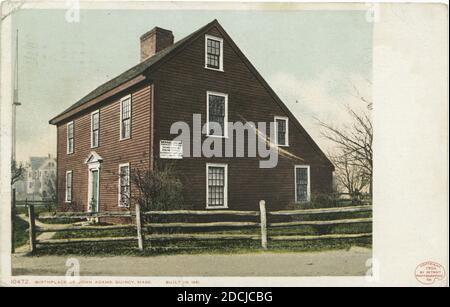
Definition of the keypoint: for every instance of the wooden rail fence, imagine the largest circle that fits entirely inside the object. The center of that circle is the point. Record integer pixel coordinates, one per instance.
(144, 238)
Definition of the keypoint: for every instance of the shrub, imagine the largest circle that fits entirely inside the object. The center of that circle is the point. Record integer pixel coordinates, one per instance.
(319, 200)
(158, 189)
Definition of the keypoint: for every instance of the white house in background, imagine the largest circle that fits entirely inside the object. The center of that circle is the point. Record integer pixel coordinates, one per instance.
(39, 179)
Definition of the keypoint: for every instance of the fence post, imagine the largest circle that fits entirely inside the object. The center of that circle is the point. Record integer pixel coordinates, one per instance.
(13, 219)
(139, 227)
(262, 210)
(32, 229)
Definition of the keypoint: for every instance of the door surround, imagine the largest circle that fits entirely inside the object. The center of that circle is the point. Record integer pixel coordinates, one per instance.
(94, 164)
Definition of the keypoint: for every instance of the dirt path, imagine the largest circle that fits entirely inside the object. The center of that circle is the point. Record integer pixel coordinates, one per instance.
(326, 263)
(43, 236)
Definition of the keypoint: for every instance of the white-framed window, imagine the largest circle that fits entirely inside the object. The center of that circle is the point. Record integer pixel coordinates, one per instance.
(281, 131)
(70, 138)
(216, 186)
(302, 183)
(125, 118)
(95, 128)
(213, 53)
(217, 114)
(69, 182)
(124, 185)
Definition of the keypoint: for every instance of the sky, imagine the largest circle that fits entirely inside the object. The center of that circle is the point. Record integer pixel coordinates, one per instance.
(313, 60)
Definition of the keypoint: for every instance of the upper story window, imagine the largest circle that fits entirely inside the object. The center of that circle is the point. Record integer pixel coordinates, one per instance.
(70, 138)
(281, 131)
(217, 114)
(213, 53)
(95, 128)
(125, 117)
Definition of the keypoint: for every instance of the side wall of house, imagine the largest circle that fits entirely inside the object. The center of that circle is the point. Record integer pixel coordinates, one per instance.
(180, 91)
(114, 151)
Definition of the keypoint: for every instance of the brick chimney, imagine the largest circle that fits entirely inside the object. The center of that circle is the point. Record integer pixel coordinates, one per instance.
(154, 41)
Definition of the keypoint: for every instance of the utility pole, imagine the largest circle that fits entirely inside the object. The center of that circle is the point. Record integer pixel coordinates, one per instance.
(16, 102)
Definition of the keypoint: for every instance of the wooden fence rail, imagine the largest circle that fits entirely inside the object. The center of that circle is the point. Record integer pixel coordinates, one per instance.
(85, 215)
(36, 203)
(203, 212)
(363, 208)
(144, 235)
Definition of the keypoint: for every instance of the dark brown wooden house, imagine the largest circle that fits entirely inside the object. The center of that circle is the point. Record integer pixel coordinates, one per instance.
(121, 125)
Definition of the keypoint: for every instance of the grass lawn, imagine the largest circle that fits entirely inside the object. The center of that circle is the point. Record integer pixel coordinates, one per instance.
(167, 247)
(173, 247)
(37, 209)
(20, 232)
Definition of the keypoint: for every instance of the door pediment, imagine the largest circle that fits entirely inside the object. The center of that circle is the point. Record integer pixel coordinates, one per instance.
(94, 158)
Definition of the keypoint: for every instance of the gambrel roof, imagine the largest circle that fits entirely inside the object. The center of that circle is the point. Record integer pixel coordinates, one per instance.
(154, 62)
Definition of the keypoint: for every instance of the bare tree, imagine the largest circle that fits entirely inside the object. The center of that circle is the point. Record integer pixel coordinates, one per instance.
(354, 156)
(349, 177)
(17, 171)
(158, 189)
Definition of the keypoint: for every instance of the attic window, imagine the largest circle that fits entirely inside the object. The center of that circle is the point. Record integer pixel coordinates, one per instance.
(213, 53)
(281, 131)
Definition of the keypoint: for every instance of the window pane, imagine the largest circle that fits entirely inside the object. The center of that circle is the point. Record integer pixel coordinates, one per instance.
(69, 186)
(126, 124)
(95, 122)
(95, 138)
(70, 130)
(213, 53)
(126, 118)
(302, 184)
(71, 145)
(216, 186)
(70, 138)
(126, 109)
(281, 132)
(217, 114)
(124, 182)
(95, 128)
(125, 178)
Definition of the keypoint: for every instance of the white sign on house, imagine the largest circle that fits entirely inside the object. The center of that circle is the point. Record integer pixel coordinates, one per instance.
(170, 149)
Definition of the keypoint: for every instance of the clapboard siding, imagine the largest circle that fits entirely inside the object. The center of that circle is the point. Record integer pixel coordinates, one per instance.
(178, 88)
(135, 150)
(180, 91)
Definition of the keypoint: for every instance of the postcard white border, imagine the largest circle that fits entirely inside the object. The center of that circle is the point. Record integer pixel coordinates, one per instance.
(409, 226)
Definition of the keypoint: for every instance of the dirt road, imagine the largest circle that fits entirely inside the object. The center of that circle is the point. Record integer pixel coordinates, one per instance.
(326, 263)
